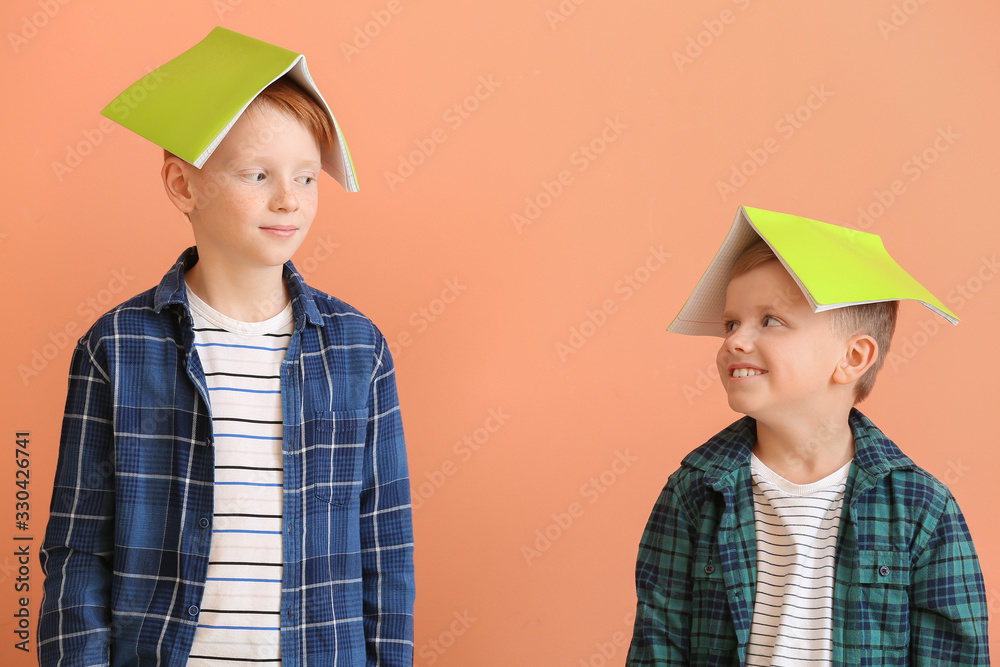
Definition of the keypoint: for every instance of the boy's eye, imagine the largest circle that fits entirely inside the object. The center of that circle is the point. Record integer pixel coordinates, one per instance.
(307, 180)
(256, 177)
(771, 321)
(730, 325)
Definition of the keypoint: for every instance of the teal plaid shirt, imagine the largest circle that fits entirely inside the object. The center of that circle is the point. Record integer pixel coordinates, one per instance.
(908, 587)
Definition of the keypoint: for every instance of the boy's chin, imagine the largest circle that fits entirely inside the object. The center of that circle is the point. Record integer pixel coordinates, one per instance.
(755, 412)
(738, 404)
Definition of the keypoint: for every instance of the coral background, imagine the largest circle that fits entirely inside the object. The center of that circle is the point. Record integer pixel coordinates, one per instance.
(543, 182)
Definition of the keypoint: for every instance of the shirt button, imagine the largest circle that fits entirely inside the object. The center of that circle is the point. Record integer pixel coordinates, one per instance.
(884, 571)
(709, 569)
(193, 610)
(203, 522)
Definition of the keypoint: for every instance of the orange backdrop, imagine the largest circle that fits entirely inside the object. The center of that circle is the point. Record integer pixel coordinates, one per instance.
(543, 182)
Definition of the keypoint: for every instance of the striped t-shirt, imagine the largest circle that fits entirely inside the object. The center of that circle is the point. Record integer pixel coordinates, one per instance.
(241, 610)
(797, 527)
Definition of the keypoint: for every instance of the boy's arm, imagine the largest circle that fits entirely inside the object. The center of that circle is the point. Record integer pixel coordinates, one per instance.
(663, 586)
(74, 626)
(949, 612)
(386, 525)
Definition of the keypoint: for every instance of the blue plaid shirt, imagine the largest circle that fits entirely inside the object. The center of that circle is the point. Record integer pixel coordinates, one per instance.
(908, 589)
(126, 549)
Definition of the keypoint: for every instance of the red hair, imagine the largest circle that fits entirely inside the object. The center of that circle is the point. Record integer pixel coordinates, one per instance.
(290, 98)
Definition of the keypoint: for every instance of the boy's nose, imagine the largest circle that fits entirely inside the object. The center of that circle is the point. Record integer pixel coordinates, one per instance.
(740, 340)
(285, 200)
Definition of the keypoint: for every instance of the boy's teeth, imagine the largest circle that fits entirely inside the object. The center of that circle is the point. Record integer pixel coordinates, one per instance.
(744, 372)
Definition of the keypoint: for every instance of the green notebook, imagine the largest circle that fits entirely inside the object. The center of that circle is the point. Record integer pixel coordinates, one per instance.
(834, 267)
(188, 105)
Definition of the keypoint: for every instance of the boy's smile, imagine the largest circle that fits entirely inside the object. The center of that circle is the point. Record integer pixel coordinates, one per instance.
(737, 371)
(778, 355)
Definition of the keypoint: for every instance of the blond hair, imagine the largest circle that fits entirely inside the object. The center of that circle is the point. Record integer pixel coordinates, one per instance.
(877, 320)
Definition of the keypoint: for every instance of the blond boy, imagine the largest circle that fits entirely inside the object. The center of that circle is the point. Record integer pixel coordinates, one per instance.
(801, 535)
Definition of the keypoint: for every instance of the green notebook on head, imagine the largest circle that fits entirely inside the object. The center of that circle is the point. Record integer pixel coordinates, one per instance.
(834, 267)
(188, 105)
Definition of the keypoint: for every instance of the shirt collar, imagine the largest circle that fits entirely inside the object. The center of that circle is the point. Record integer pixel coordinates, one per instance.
(730, 450)
(171, 290)
(873, 451)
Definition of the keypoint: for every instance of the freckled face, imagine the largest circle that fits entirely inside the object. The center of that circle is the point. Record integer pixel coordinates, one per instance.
(256, 196)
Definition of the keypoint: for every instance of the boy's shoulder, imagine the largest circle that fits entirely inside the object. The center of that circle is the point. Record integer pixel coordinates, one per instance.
(708, 468)
(332, 308)
(724, 451)
(895, 479)
(706, 465)
(339, 320)
(146, 313)
(134, 316)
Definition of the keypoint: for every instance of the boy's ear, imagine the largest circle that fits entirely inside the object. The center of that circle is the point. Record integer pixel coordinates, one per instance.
(176, 175)
(860, 353)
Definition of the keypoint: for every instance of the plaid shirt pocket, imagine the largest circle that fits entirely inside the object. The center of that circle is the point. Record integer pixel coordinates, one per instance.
(336, 443)
(883, 601)
(713, 638)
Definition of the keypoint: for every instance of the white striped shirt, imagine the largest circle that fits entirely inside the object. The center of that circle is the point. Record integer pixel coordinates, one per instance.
(797, 527)
(241, 609)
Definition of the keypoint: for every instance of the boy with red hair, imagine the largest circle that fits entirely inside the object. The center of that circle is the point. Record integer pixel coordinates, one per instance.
(232, 482)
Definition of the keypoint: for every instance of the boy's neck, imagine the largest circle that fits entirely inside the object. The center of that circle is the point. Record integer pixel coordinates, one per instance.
(247, 295)
(805, 449)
